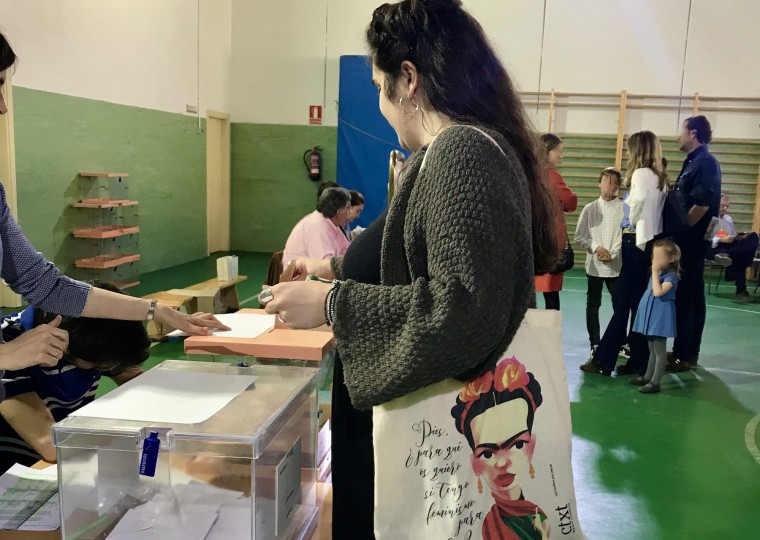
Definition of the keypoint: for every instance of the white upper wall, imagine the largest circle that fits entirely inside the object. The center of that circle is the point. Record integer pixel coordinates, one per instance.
(724, 48)
(589, 46)
(267, 61)
(278, 61)
(137, 52)
(608, 46)
(514, 27)
(216, 55)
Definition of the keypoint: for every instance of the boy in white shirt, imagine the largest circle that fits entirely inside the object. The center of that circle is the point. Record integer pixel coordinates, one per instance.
(599, 233)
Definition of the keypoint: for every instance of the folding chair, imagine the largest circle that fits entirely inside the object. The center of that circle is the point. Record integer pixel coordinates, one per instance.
(711, 265)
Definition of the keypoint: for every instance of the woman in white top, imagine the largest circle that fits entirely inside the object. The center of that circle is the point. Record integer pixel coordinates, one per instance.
(648, 185)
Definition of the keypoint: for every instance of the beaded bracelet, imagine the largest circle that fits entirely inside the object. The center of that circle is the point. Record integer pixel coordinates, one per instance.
(331, 297)
(329, 306)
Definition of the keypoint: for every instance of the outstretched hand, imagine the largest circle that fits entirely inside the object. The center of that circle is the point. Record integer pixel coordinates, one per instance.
(201, 324)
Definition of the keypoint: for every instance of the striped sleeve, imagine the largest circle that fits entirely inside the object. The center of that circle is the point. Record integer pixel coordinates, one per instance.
(17, 383)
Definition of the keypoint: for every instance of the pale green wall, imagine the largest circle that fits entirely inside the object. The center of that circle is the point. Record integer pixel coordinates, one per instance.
(270, 188)
(58, 136)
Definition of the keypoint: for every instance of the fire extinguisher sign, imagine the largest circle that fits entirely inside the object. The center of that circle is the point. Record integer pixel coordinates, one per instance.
(315, 115)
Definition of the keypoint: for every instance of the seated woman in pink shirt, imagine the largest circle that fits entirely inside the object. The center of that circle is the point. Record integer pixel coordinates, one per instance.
(319, 235)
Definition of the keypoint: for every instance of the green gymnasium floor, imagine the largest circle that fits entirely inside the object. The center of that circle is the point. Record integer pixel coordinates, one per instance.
(680, 465)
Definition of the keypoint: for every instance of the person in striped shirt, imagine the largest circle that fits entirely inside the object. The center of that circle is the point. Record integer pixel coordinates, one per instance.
(39, 396)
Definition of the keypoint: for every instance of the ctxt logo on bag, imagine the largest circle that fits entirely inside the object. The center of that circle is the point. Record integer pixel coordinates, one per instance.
(566, 525)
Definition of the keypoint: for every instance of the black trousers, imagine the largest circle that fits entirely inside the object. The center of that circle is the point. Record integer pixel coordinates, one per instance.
(594, 302)
(742, 252)
(551, 299)
(691, 309)
(353, 466)
(630, 287)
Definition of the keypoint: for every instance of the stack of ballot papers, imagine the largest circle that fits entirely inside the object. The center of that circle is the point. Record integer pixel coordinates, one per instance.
(29, 499)
(242, 325)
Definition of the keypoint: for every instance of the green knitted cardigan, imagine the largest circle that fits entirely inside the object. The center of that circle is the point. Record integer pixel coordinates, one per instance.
(456, 270)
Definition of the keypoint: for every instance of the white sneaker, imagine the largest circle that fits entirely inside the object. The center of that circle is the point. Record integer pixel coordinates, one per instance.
(723, 260)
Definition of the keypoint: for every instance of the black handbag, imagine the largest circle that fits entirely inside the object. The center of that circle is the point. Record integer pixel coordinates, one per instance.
(566, 259)
(675, 217)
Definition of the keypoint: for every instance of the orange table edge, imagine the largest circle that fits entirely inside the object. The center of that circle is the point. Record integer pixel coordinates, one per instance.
(280, 342)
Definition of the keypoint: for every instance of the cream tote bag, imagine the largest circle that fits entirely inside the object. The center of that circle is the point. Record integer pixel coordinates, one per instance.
(490, 458)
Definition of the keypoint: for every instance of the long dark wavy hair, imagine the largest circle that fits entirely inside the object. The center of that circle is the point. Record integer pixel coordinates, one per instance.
(463, 78)
(7, 56)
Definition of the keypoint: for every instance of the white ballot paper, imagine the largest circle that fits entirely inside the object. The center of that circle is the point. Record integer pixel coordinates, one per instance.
(243, 325)
(171, 397)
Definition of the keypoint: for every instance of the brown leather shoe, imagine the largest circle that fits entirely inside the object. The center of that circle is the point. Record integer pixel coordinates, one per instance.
(679, 366)
(590, 367)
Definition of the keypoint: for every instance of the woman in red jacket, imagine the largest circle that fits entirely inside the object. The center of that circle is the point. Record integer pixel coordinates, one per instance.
(551, 146)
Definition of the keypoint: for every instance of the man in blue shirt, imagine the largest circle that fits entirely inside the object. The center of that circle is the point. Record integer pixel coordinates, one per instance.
(700, 184)
(39, 396)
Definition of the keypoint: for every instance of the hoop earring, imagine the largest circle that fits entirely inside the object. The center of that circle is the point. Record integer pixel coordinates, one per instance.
(414, 102)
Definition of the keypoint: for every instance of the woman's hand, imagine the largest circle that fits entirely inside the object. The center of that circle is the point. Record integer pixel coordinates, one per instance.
(43, 345)
(314, 267)
(201, 324)
(300, 305)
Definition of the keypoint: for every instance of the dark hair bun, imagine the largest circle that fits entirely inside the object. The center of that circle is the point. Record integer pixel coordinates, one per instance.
(435, 4)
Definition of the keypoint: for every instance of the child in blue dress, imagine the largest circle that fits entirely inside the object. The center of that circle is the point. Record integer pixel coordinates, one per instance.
(656, 316)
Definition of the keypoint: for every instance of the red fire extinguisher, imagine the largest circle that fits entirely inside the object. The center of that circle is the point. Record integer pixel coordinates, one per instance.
(313, 160)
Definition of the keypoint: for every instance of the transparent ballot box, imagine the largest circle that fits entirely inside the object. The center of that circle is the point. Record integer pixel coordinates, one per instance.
(236, 457)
